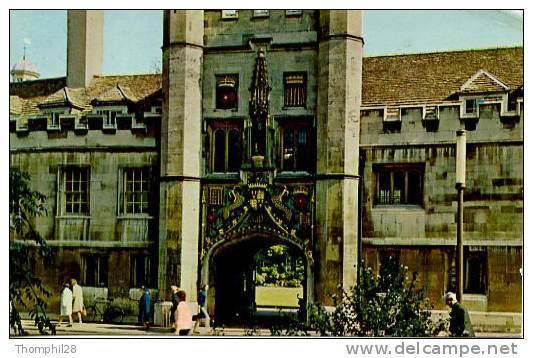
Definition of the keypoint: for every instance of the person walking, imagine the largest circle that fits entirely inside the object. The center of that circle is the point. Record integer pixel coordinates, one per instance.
(77, 296)
(183, 316)
(460, 325)
(202, 314)
(174, 300)
(65, 305)
(145, 305)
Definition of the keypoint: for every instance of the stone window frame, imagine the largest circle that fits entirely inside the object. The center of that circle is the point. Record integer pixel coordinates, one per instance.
(294, 94)
(79, 195)
(95, 269)
(229, 14)
(143, 262)
(293, 13)
(127, 208)
(55, 115)
(109, 115)
(394, 195)
(260, 14)
(301, 152)
(225, 128)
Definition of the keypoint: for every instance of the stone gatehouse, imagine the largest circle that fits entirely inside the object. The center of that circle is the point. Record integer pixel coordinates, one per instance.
(269, 127)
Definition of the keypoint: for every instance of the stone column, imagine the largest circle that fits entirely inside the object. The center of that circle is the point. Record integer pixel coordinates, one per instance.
(339, 101)
(179, 223)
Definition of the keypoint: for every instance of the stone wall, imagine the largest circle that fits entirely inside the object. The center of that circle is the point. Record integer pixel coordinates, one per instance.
(425, 234)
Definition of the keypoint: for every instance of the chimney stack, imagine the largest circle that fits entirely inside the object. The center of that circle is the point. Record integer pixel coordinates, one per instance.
(85, 35)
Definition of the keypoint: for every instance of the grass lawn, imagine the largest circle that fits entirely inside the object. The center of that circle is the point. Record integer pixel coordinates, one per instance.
(277, 296)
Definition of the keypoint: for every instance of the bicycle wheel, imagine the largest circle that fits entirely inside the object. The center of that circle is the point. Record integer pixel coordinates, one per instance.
(114, 315)
(91, 313)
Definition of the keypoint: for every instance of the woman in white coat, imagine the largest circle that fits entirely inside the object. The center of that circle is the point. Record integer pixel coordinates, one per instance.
(77, 296)
(65, 308)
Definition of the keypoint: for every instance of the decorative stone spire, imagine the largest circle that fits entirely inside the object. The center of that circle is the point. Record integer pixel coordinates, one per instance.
(259, 107)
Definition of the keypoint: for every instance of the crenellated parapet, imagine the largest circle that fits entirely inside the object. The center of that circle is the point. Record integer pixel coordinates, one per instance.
(107, 105)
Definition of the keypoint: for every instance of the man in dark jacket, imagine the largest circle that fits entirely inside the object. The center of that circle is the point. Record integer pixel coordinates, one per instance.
(460, 325)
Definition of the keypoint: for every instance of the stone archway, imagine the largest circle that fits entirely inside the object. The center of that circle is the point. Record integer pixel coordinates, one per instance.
(228, 269)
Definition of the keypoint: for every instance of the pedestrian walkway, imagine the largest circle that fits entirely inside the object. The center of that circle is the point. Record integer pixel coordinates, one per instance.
(106, 329)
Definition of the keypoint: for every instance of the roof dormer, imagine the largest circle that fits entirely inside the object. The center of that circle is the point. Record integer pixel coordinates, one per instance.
(483, 88)
(63, 98)
(483, 82)
(116, 95)
(111, 109)
(59, 111)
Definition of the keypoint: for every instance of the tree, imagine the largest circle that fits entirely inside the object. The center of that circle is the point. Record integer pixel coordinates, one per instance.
(278, 265)
(26, 246)
(386, 304)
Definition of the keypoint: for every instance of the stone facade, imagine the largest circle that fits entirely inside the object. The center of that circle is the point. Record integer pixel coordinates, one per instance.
(264, 128)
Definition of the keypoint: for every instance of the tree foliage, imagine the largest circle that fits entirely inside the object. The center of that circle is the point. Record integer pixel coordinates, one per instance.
(26, 246)
(279, 266)
(386, 304)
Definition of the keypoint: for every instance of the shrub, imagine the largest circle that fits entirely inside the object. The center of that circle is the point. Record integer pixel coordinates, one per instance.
(387, 304)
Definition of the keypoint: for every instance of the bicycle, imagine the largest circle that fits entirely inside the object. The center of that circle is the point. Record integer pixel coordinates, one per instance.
(109, 314)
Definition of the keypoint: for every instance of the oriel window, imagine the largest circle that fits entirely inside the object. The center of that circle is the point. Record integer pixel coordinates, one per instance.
(227, 89)
(295, 90)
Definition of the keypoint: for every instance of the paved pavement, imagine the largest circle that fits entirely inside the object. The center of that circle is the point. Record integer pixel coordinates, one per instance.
(105, 329)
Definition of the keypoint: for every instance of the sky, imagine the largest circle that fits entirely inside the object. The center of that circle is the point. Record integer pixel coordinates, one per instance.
(137, 49)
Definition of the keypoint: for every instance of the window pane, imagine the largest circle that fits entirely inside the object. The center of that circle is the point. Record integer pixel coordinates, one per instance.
(399, 188)
(102, 272)
(414, 193)
(136, 190)
(288, 149)
(384, 187)
(76, 190)
(302, 156)
(220, 151)
(234, 151)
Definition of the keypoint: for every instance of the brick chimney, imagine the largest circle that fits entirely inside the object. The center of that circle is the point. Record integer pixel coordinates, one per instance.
(85, 38)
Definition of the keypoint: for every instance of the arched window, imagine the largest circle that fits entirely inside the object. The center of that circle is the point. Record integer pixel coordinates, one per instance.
(219, 164)
(234, 150)
(226, 151)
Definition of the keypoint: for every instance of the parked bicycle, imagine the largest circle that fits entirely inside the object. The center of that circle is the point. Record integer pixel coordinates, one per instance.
(107, 312)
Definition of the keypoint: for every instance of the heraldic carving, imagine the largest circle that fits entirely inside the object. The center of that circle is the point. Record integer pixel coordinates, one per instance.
(277, 210)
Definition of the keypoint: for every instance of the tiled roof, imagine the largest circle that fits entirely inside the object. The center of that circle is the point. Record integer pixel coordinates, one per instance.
(434, 77)
(483, 82)
(15, 105)
(63, 97)
(133, 87)
(387, 80)
(116, 93)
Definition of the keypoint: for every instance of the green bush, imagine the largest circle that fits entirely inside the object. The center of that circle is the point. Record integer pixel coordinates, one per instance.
(386, 304)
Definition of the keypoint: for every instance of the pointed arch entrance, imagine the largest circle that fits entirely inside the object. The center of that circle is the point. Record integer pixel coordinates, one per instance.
(241, 220)
(229, 270)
